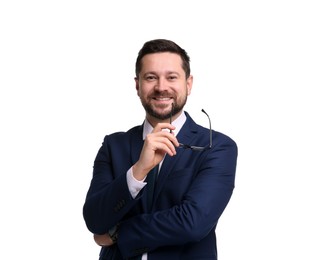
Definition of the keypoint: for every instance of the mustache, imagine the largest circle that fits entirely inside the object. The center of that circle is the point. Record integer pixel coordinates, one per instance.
(156, 93)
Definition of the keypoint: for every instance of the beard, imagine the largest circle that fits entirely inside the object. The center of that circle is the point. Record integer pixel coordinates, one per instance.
(177, 107)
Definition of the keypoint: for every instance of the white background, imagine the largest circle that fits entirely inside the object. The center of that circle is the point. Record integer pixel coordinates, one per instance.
(66, 77)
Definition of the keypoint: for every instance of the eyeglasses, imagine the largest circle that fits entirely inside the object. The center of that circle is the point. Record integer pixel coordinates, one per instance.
(193, 147)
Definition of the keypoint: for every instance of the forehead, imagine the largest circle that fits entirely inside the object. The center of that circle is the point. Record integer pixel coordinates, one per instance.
(164, 61)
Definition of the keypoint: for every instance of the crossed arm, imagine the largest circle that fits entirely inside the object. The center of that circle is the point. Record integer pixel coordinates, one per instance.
(194, 217)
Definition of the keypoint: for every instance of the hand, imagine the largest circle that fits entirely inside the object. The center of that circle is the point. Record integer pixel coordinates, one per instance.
(103, 240)
(156, 145)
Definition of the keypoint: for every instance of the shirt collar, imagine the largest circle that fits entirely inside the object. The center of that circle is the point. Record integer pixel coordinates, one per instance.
(178, 123)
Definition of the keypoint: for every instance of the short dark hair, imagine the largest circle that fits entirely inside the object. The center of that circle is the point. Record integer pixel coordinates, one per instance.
(162, 45)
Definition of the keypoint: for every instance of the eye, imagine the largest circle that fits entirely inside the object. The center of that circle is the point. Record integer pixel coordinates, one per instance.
(172, 77)
(150, 77)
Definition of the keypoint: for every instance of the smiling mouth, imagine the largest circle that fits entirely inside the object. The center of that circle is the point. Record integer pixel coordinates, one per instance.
(162, 98)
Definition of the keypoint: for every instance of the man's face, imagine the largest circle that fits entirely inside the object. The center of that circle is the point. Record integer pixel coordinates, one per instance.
(162, 81)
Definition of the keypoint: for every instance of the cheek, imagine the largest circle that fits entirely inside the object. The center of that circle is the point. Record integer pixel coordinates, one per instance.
(142, 93)
(145, 90)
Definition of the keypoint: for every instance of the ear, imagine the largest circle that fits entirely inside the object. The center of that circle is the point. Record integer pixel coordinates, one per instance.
(189, 83)
(137, 84)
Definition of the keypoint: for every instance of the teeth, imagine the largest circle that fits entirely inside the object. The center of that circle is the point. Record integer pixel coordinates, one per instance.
(163, 99)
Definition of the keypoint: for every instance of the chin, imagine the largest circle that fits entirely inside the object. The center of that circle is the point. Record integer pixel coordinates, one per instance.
(158, 114)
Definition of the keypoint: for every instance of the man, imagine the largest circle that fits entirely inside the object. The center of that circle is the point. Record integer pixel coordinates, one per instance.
(194, 180)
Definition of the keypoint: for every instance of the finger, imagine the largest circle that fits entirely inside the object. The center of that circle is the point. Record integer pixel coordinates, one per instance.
(97, 240)
(166, 144)
(171, 138)
(162, 137)
(101, 240)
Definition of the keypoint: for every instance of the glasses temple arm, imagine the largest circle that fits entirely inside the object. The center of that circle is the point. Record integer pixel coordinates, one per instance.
(209, 125)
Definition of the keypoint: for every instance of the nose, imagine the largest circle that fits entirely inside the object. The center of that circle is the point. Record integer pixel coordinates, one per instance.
(161, 85)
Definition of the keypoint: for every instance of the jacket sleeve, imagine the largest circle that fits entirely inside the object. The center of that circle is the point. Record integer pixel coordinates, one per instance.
(108, 199)
(198, 213)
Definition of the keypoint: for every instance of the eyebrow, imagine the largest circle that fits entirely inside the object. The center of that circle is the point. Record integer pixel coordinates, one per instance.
(155, 73)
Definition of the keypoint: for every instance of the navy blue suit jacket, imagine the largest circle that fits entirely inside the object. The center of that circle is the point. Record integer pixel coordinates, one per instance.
(192, 191)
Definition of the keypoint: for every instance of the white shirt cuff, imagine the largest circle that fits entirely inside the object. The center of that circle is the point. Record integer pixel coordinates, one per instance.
(134, 185)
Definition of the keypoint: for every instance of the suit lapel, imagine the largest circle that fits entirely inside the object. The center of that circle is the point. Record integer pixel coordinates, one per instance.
(166, 169)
